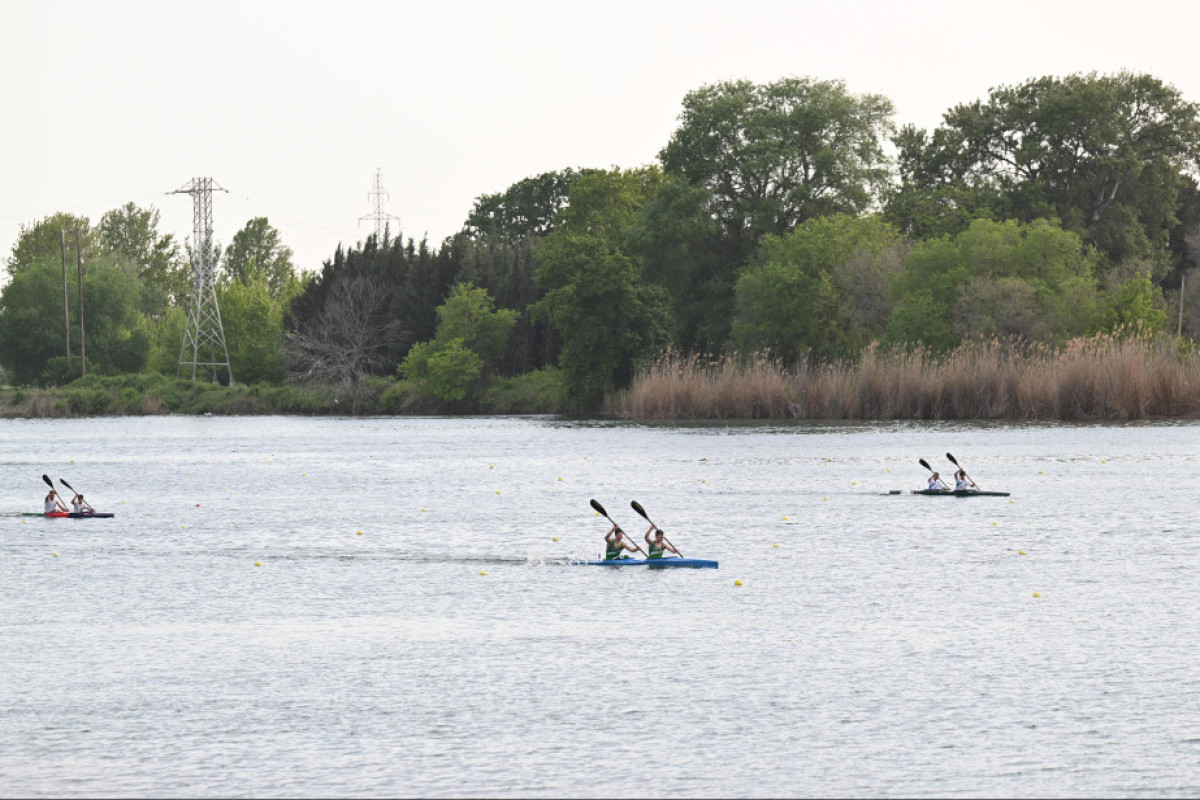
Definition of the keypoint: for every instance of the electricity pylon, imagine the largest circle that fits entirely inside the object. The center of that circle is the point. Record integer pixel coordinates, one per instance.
(379, 216)
(204, 337)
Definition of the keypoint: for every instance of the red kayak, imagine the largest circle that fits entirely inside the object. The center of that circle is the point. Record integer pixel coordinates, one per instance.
(73, 515)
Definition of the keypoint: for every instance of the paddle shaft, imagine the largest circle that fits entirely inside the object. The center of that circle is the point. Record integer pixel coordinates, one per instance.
(638, 508)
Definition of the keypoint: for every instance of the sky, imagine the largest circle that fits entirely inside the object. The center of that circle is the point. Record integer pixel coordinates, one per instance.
(293, 106)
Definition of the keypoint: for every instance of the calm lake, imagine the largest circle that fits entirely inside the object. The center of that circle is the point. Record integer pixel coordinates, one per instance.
(890, 645)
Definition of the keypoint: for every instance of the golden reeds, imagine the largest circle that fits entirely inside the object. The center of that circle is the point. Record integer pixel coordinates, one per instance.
(1100, 377)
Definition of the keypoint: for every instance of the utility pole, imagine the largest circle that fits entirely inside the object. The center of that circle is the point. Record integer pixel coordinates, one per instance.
(204, 338)
(379, 216)
(82, 340)
(62, 251)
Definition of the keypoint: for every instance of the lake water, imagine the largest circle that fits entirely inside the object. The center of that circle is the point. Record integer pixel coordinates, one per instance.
(889, 645)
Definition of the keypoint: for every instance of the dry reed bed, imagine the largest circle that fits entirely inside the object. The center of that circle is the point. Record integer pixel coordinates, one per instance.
(1096, 378)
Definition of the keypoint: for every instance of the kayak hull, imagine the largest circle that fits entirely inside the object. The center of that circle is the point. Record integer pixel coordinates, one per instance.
(964, 493)
(654, 563)
(73, 515)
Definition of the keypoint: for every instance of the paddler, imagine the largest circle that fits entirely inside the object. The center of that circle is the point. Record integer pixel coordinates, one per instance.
(936, 485)
(962, 483)
(617, 544)
(80, 506)
(658, 544)
(52, 503)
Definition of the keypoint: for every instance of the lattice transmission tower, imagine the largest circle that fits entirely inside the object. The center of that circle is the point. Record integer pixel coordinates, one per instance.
(379, 216)
(204, 337)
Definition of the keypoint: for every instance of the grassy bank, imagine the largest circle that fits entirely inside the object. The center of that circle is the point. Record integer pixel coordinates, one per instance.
(1100, 378)
(150, 394)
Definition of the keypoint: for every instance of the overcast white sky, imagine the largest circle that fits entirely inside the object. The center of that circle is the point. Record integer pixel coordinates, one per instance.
(291, 106)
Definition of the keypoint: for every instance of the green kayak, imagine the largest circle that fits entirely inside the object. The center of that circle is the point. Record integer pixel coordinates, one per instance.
(963, 493)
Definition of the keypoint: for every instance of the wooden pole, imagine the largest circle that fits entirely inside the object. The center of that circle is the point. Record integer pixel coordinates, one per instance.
(62, 251)
(1182, 287)
(82, 339)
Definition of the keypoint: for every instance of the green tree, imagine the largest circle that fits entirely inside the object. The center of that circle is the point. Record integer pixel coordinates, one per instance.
(792, 298)
(527, 208)
(608, 317)
(253, 322)
(31, 319)
(257, 249)
(772, 156)
(1034, 281)
(1105, 154)
(471, 339)
(131, 233)
(42, 242)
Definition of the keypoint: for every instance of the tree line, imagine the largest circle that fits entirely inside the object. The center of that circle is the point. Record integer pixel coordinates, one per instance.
(791, 218)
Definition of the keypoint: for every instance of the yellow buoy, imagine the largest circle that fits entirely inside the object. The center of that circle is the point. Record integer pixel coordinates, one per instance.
(703, 481)
(358, 533)
(258, 563)
(854, 483)
(1020, 552)
(556, 538)
(183, 526)
(303, 474)
(785, 519)
(1037, 594)
(995, 523)
(737, 582)
(483, 572)
(491, 466)
(775, 545)
(497, 491)
(560, 479)
(56, 555)
(424, 509)
(826, 498)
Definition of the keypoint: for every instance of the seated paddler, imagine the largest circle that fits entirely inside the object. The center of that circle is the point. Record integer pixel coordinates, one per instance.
(962, 483)
(936, 484)
(617, 544)
(658, 544)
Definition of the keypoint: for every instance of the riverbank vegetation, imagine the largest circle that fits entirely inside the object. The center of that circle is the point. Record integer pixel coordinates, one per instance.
(1029, 257)
(1099, 378)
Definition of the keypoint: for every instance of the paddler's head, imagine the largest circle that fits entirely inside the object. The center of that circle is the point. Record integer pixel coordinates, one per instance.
(658, 534)
(935, 475)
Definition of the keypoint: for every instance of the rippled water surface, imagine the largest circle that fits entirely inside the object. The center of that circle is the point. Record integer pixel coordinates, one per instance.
(889, 645)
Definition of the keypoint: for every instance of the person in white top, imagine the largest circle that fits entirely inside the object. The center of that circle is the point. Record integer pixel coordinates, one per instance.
(80, 506)
(962, 483)
(935, 483)
(52, 503)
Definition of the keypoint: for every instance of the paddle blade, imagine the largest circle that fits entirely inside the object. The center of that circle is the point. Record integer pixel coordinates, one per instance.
(638, 508)
(924, 464)
(952, 461)
(69, 486)
(599, 508)
(49, 482)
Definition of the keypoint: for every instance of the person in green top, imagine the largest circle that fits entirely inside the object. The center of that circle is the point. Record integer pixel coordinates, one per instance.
(617, 544)
(658, 544)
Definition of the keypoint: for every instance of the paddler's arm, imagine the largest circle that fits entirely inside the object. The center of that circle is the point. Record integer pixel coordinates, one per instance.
(649, 531)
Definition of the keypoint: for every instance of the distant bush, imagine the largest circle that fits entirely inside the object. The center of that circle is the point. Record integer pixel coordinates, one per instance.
(539, 392)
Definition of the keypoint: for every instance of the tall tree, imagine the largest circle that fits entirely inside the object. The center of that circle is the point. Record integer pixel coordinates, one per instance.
(608, 317)
(527, 208)
(131, 233)
(774, 155)
(258, 248)
(42, 240)
(1105, 154)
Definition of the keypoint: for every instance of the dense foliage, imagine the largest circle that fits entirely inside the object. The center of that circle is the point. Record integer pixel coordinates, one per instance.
(775, 224)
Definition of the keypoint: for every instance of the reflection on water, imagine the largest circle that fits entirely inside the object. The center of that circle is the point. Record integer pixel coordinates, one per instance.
(415, 628)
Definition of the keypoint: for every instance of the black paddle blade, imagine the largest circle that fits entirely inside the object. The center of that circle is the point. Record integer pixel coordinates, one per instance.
(49, 482)
(599, 508)
(638, 508)
(69, 486)
(952, 461)
(924, 464)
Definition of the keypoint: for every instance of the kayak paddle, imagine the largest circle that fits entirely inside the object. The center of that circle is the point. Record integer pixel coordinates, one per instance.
(638, 508)
(924, 464)
(964, 472)
(604, 514)
(72, 488)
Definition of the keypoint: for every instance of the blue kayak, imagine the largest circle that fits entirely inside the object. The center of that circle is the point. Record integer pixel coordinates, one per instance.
(654, 563)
